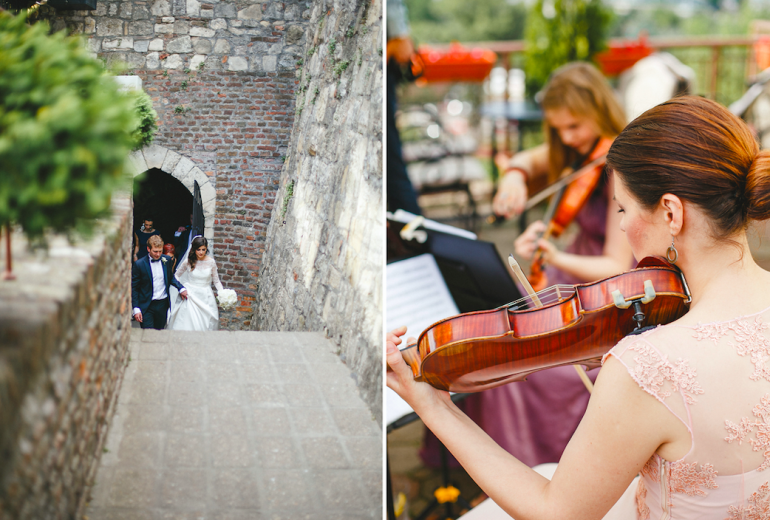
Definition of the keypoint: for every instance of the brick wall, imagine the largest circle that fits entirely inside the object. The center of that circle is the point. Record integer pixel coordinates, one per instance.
(64, 331)
(222, 76)
(322, 268)
(236, 130)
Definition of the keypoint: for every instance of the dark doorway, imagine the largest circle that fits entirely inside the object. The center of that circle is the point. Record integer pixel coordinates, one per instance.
(158, 193)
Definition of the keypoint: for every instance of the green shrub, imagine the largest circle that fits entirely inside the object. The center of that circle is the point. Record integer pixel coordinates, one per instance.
(65, 130)
(561, 31)
(148, 120)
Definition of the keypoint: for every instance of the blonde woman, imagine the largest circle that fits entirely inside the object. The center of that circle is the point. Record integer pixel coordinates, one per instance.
(535, 420)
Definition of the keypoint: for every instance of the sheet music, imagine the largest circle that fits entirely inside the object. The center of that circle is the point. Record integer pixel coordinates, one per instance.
(405, 217)
(417, 297)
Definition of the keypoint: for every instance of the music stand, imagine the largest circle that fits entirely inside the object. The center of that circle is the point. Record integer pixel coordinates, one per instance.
(475, 274)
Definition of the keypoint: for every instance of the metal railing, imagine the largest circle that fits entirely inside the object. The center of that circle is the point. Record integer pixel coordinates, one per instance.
(722, 64)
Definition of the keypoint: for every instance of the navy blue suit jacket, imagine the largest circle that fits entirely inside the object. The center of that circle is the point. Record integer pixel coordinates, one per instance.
(141, 281)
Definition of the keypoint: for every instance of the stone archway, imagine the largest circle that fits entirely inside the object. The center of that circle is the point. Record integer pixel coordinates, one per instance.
(182, 169)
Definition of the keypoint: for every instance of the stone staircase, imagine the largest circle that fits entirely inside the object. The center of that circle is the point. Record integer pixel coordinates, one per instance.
(238, 425)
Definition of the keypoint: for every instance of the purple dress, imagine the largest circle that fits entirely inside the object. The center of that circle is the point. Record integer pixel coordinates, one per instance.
(535, 419)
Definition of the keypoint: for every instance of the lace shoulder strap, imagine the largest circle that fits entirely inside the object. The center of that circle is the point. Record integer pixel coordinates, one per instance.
(673, 382)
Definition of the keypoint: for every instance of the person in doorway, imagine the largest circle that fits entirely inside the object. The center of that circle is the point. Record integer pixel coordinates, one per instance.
(151, 277)
(199, 311)
(686, 404)
(182, 239)
(142, 235)
(168, 250)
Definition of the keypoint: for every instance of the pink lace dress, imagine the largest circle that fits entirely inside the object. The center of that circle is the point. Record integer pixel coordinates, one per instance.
(716, 379)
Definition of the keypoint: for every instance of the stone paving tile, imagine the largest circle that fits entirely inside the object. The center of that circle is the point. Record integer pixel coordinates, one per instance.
(312, 421)
(270, 421)
(324, 452)
(140, 450)
(235, 488)
(185, 419)
(144, 418)
(278, 452)
(355, 422)
(238, 425)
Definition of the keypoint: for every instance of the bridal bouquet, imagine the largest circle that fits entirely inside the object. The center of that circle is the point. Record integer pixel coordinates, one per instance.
(227, 299)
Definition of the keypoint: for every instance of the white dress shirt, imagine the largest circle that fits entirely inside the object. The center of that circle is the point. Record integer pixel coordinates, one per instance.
(158, 280)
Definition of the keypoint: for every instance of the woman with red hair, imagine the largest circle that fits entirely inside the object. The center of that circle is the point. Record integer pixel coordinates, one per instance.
(687, 404)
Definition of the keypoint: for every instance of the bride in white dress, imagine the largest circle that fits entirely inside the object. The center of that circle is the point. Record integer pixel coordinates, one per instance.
(199, 311)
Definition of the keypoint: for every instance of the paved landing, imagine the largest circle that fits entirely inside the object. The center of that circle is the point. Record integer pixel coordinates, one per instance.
(238, 425)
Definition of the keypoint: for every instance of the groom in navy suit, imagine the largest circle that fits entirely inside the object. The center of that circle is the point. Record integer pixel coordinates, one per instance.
(150, 279)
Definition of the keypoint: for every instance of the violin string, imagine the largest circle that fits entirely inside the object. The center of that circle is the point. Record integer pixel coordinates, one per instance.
(552, 294)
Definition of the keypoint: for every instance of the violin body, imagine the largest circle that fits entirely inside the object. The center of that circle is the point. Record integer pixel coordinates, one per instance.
(568, 204)
(481, 350)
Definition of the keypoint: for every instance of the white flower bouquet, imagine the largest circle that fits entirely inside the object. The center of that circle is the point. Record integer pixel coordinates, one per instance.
(227, 299)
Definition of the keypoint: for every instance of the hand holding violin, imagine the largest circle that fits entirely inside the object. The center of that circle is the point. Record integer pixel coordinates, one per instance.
(420, 396)
(529, 241)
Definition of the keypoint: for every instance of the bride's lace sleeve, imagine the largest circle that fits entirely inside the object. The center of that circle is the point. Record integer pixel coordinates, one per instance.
(215, 275)
(183, 268)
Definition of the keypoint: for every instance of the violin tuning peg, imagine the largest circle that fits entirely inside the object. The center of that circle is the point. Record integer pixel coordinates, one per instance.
(619, 301)
(649, 292)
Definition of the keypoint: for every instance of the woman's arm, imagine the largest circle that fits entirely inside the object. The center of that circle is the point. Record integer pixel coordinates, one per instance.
(616, 255)
(512, 191)
(215, 276)
(621, 429)
(183, 268)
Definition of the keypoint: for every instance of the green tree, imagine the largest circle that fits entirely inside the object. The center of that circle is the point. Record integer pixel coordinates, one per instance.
(65, 130)
(561, 31)
(437, 21)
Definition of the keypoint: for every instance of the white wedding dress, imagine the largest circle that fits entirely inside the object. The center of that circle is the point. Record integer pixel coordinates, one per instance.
(199, 311)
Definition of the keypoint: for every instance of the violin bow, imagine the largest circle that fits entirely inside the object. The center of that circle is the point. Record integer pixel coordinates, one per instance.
(556, 186)
(521, 277)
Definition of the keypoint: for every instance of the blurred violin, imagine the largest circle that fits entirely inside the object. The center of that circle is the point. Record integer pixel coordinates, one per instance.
(568, 199)
(561, 325)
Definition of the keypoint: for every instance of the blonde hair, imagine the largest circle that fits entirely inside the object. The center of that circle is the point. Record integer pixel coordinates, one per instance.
(155, 241)
(580, 88)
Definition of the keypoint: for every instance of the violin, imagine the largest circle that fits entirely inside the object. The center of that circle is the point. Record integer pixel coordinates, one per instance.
(567, 202)
(576, 324)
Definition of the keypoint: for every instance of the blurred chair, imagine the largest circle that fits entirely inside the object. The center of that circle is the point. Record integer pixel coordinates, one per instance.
(439, 162)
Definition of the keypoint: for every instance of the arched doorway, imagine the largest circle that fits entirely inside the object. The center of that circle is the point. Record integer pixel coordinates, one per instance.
(183, 170)
(163, 197)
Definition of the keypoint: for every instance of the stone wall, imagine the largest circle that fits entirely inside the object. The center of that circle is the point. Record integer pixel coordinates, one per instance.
(221, 75)
(322, 269)
(64, 332)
